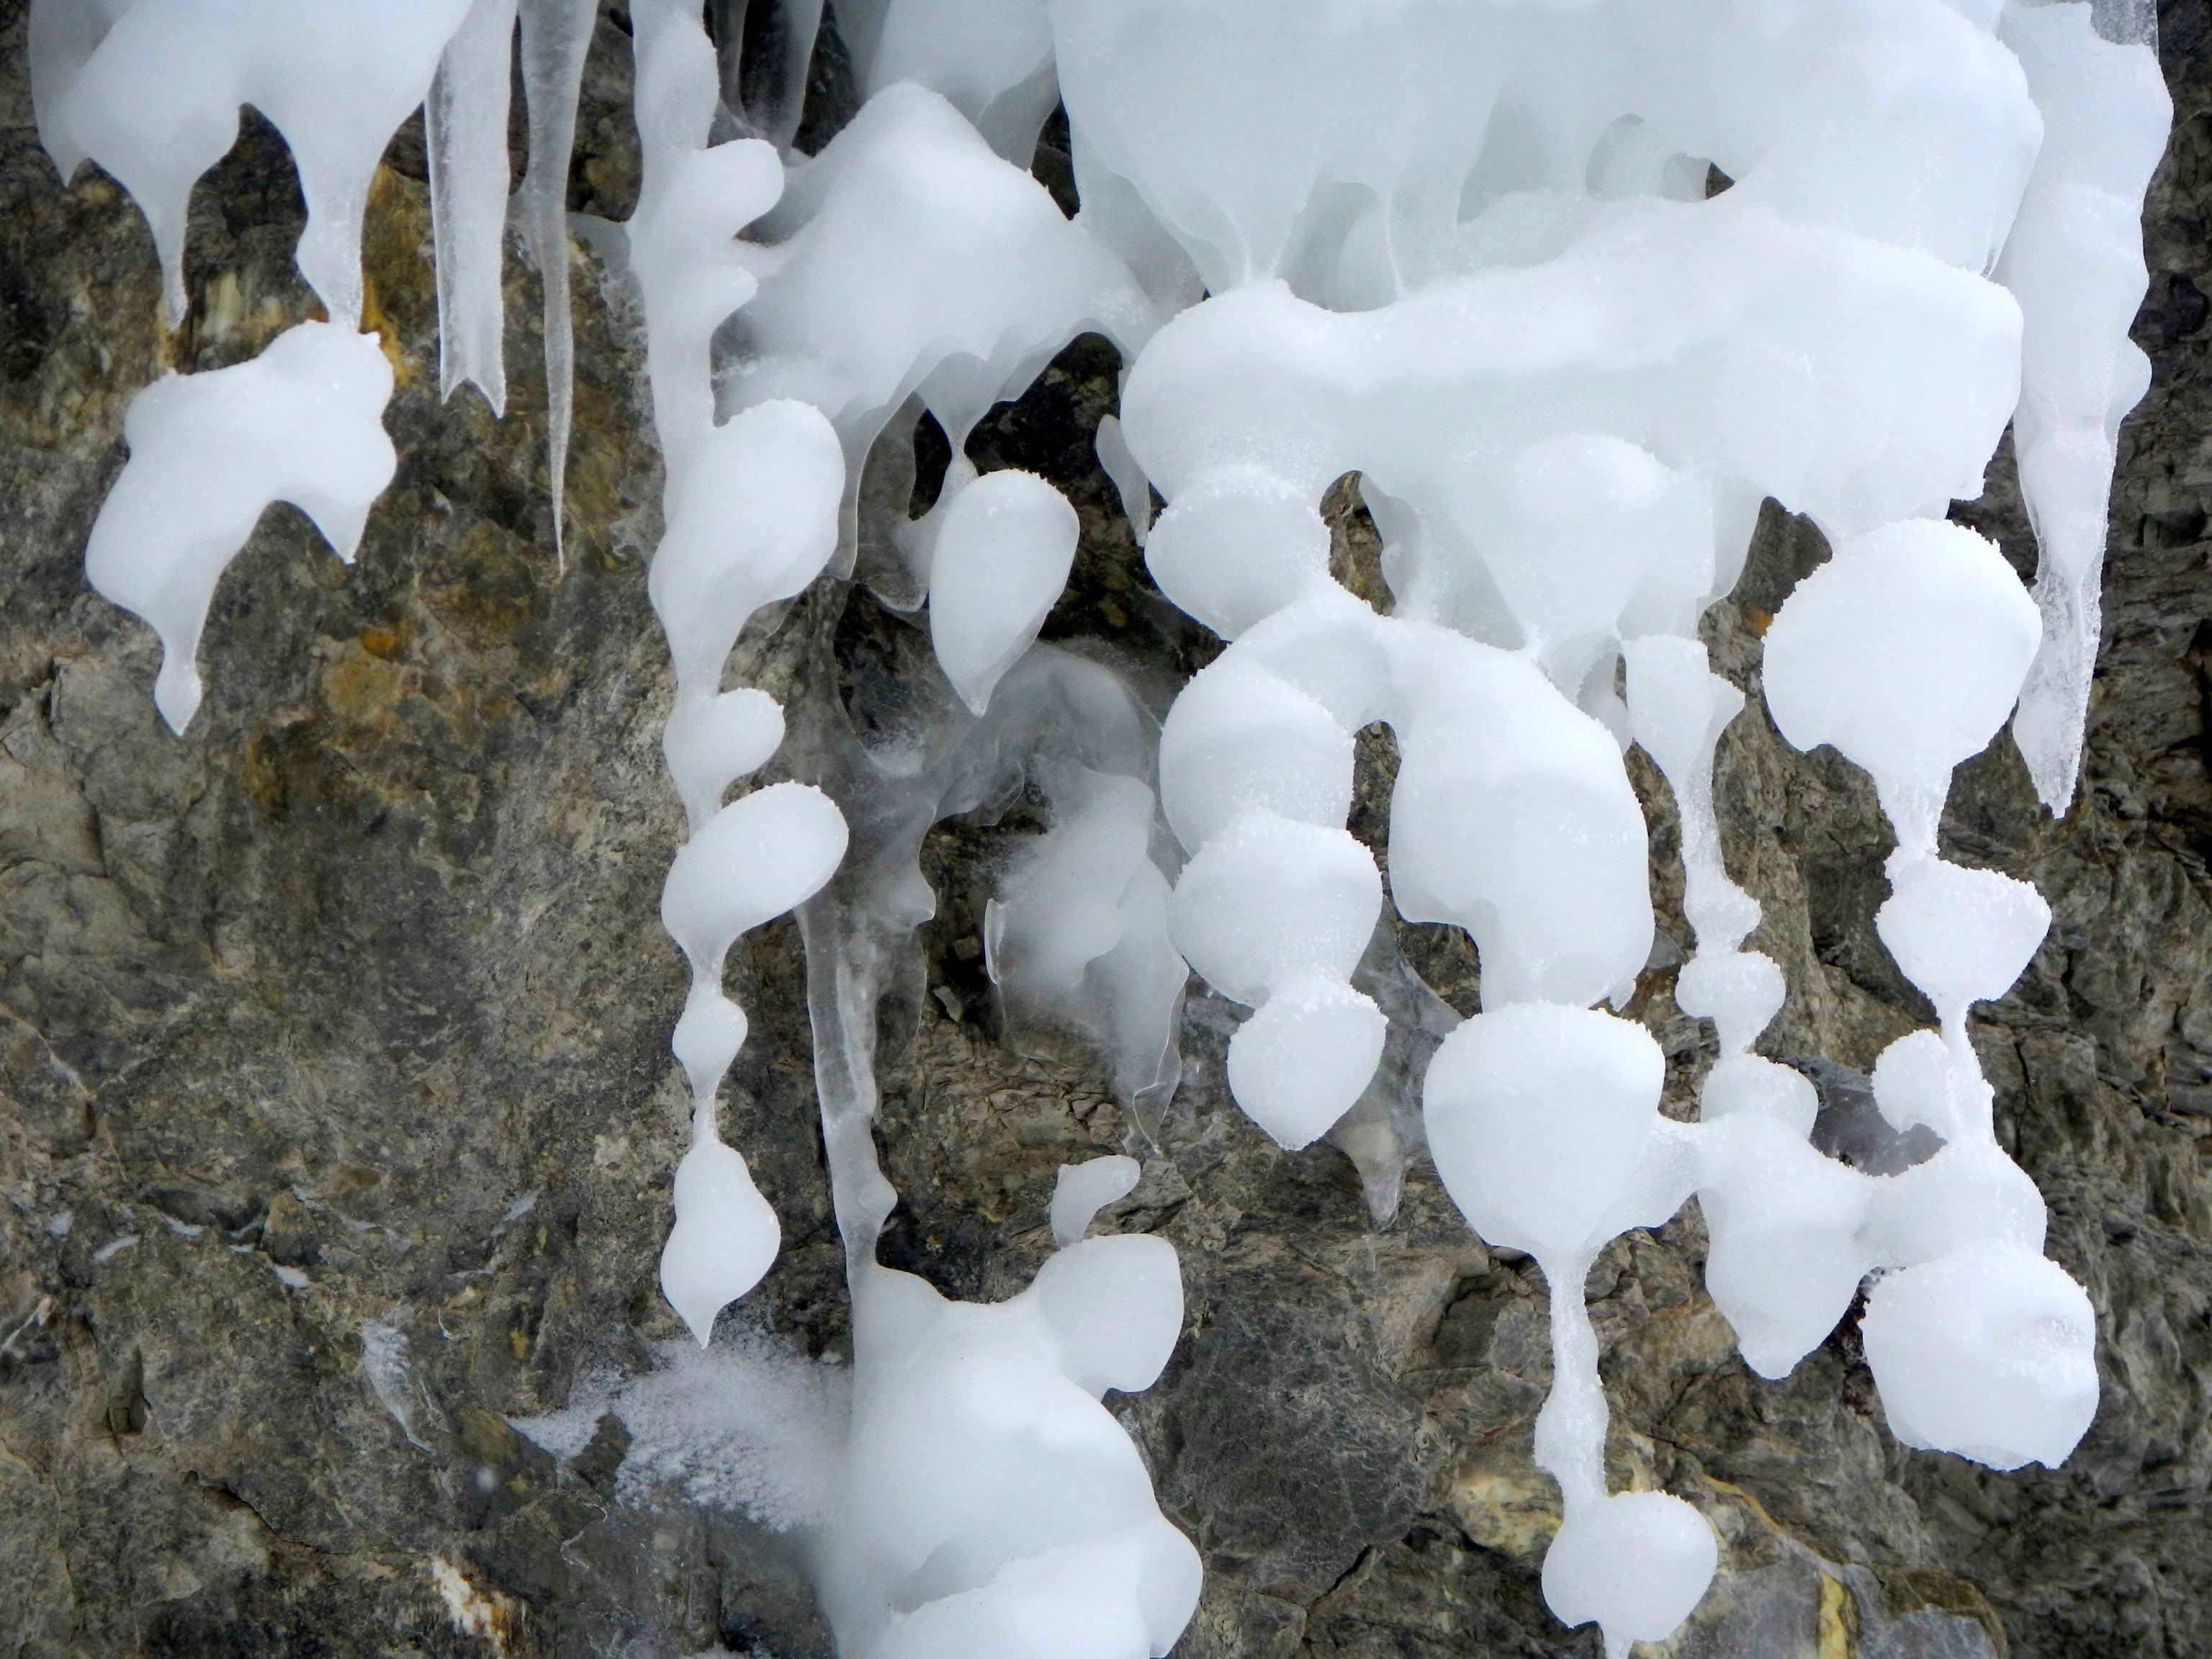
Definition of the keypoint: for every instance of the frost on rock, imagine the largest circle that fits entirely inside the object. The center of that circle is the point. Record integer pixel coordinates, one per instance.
(1475, 252)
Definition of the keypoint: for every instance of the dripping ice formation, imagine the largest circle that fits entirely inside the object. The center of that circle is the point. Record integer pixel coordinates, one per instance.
(1479, 254)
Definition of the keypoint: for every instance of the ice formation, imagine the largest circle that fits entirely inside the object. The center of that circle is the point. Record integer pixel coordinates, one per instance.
(1572, 290)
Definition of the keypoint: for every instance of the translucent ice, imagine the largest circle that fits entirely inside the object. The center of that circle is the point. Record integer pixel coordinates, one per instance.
(1077, 934)
(557, 37)
(466, 126)
(2074, 260)
(303, 423)
(991, 58)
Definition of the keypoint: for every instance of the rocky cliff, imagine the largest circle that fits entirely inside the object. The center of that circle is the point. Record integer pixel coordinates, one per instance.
(337, 1118)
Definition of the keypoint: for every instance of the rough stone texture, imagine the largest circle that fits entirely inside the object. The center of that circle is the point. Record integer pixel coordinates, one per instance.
(350, 1010)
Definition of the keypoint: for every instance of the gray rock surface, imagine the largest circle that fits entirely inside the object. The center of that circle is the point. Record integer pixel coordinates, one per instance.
(337, 1118)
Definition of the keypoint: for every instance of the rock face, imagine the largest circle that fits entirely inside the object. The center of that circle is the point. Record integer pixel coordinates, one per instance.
(337, 1117)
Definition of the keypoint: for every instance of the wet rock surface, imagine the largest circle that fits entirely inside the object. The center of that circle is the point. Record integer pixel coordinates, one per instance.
(337, 1117)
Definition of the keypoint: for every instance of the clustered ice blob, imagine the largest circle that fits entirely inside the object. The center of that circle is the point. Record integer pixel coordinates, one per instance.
(1572, 290)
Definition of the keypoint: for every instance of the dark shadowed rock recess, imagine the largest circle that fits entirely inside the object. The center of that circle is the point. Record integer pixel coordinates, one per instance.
(336, 1117)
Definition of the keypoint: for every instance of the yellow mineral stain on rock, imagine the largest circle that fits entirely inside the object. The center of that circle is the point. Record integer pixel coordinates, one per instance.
(222, 313)
(362, 689)
(1501, 1511)
(1831, 1631)
(484, 1613)
(388, 203)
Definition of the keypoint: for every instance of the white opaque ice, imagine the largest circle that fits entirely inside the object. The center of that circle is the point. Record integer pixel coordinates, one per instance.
(1238, 544)
(1003, 552)
(1229, 916)
(1083, 1189)
(157, 103)
(1637, 1563)
(1905, 651)
(1239, 738)
(724, 1238)
(1304, 1059)
(911, 259)
(1961, 935)
(2075, 260)
(756, 859)
(1541, 1119)
(711, 743)
(303, 423)
(994, 1509)
(1991, 1353)
(752, 519)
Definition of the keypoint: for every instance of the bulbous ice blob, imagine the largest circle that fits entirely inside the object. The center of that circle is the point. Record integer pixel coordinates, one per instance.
(1235, 544)
(1573, 528)
(303, 423)
(1002, 556)
(993, 1506)
(1636, 1562)
(1127, 1599)
(710, 743)
(909, 260)
(1276, 914)
(1083, 1189)
(1115, 1304)
(992, 60)
(1740, 991)
(1267, 901)
(1540, 1118)
(724, 1238)
(1304, 1059)
(1239, 738)
(1913, 1084)
(708, 1036)
(752, 519)
(1718, 338)
(1786, 1258)
(1753, 1086)
(1967, 1195)
(1905, 651)
(156, 105)
(1514, 819)
(1961, 935)
(1990, 1354)
(756, 859)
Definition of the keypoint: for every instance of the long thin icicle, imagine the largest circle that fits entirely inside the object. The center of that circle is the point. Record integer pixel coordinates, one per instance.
(557, 37)
(2075, 262)
(465, 117)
